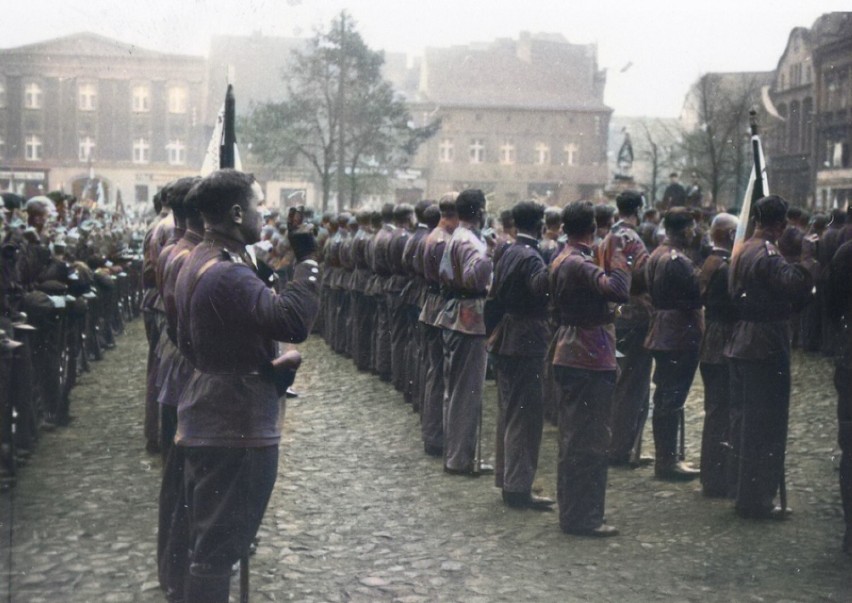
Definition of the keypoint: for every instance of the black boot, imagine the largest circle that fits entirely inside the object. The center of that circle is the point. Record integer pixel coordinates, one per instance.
(202, 587)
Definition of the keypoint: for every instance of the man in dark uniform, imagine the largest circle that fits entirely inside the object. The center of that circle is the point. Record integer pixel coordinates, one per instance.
(674, 338)
(383, 271)
(347, 271)
(765, 289)
(718, 477)
(840, 305)
(172, 535)
(432, 411)
(403, 215)
(228, 322)
(584, 364)
(519, 342)
(632, 393)
(674, 195)
(336, 293)
(373, 289)
(427, 215)
(465, 273)
(362, 312)
(828, 244)
(155, 240)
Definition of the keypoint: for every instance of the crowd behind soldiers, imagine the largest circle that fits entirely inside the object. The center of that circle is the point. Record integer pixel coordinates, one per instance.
(575, 311)
(68, 283)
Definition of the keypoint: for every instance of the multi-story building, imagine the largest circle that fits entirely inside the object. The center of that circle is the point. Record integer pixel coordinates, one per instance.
(789, 148)
(832, 65)
(85, 103)
(519, 118)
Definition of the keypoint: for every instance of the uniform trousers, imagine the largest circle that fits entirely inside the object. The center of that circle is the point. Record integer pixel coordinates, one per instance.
(761, 389)
(843, 383)
(520, 419)
(464, 378)
(227, 490)
(399, 338)
(383, 338)
(154, 325)
(673, 377)
(365, 317)
(717, 480)
(584, 437)
(432, 410)
(414, 357)
(172, 534)
(632, 394)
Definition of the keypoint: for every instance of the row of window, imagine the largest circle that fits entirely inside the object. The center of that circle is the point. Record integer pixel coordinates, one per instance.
(87, 97)
(34, 149)
(507, 152)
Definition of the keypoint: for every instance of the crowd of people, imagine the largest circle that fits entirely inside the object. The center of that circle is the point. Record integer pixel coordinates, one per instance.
(68, 283)
(576, 311)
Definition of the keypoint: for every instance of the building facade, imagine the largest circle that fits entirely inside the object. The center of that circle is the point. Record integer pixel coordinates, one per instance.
(519, 119)
(84, 104)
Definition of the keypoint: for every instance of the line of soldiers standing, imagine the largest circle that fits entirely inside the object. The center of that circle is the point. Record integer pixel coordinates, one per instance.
(67, 285)
(577, 324)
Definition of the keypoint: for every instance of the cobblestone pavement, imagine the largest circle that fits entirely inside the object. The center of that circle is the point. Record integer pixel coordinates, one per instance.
(360, 514)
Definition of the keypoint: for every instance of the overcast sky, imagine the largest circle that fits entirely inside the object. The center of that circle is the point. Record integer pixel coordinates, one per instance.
(668, 44)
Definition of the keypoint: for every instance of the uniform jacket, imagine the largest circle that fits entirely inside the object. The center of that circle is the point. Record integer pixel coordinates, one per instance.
(638, 310)
(433, 251)
(521, 290)
(228, 322)
(677, 321)
(581, 294)
(720, 313)
(412, 264)
(465, 272)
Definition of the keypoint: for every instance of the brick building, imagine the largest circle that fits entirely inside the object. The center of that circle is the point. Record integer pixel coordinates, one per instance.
(85, 102)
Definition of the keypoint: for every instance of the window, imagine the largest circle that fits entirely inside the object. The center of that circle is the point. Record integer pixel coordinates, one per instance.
(446, 151)
(32, 96)
(87, 97)
(141, 150)
(477, 150)
(33, 148)
(507, 152)
(2, 94)
(86, 148)
(177, 152)
(2, 147)
(597, 125)
(542, 153)
(141, 99)
(177, 99)
(572, 150)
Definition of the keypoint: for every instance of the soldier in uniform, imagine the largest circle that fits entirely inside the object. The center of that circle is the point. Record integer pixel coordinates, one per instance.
(155, 240)
(432, 411)
(718, 477)
(465, 273)
(549, 244)
(347, 270)
(765, 289)
(840, 304)
(361, 311)
(674, 195)
(632, 394)
(518, 343)
(674, 338)
(228, 322)
(383, 271)
(403, 215)
(585, 367)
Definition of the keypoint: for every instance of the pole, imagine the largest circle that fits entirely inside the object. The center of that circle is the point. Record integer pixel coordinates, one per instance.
(229, 136)
(244, 578)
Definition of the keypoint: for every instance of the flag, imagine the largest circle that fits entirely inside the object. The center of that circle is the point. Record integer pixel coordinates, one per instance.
(215, 158)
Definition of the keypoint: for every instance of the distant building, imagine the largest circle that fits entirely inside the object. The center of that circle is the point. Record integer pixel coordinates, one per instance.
(789, 149)
(81, 102)
(519, 118)
(831, 37)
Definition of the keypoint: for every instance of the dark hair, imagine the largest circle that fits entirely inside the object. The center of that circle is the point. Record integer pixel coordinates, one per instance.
(649, 213)
(469, 203)
(528, 215)
(387, 212)
(770, 211)
(431, 216)
(838, 216)
(402, 212)
(678, 219)
(604, 215)
(182, 203)
(420, 207)
(794, 213)
(376, 219)
(628, 203)
(217, 192)
(447, 207)
(363, 216)
(553, 216)
(343, 218)
(507, 219)
(158, 201)
(578, 219)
